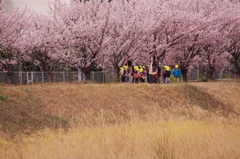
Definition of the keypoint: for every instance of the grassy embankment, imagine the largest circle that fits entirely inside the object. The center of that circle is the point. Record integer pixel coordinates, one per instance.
(194, 120)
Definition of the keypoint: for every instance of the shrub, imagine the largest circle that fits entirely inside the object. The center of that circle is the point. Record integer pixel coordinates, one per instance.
(202, 78)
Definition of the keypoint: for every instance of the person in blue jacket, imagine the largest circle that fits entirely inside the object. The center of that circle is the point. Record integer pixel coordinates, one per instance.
(176, 73)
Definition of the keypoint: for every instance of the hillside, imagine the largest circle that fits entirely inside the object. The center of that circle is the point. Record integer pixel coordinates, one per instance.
(27, 108)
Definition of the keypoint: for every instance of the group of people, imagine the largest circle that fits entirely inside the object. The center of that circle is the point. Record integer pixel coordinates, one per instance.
(151, 73)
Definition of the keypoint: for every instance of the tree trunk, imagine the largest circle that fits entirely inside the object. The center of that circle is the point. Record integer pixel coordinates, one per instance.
(184, 74)
(117, 70)
(211, 76)
(238, 73)
(87, 74)
(9, 81)
(237, 70)
(50, 77)
(210, 73)
(9, 74)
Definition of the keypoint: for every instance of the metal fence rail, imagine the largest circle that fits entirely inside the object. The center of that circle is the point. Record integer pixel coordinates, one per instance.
(38, 77)
(41, 77)
(97, 76)
(196, 74)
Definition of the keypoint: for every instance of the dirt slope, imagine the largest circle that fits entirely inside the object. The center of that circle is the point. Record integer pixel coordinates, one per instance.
(27, 108)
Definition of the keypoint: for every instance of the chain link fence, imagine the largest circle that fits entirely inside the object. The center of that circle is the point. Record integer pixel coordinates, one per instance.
(196, 74)
(41, 77)
(96, 76)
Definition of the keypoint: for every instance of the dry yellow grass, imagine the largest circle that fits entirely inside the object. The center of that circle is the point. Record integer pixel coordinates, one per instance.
(194, 120)
(226, 92)
(172, 139)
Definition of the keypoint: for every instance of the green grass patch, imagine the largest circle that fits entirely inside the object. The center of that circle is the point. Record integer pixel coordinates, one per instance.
(2, 97)
(204, 80)
(189, 85)
(59, 120)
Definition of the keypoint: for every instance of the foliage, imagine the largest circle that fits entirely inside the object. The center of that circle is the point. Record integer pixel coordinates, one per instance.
(202, 78)
(225, 75)
(190, 33)
(12, 32)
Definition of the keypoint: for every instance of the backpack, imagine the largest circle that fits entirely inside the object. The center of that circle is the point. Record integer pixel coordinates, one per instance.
(136, 75)
(168, 73)
(128, 71)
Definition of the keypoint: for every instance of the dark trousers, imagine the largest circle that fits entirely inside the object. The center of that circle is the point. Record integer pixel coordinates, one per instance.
(152, 79)
(123, 78)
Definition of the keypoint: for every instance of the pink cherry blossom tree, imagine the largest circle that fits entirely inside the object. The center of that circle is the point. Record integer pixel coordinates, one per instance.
(126, 31)
(226, 24)
(213, 58)
(234, 52)
(204, 23)
(214, 53)
(12, 31)
(190, 33)
(46, 43)
(182, 34)
(88, 23)
(173, 32)
(178, 32)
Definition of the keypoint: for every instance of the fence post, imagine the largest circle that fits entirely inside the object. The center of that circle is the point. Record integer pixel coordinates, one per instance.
(80, 75)
(198, 74)
(103, 76)
(220, 75)
(229, 69)
(63, 76)
(30, 80)
(20, 77)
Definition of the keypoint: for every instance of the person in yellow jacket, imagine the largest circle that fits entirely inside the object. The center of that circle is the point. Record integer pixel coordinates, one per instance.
(121, 72)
